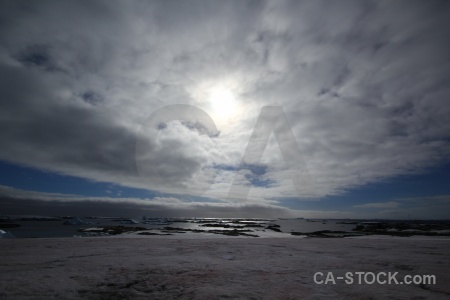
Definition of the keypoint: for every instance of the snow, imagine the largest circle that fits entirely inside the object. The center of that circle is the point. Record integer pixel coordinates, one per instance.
(168, 267)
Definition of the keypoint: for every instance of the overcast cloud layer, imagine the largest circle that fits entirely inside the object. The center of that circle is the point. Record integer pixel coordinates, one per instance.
(364, 86)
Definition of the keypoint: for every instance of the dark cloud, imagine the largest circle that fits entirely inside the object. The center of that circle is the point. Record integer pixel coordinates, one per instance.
(91, 97)
(19, 202)
(36, 56)
(59, 133)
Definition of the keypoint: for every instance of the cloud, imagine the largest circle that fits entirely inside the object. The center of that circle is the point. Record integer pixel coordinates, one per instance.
(21, 202)
(420, 208)
(391, 204)
(363, 85)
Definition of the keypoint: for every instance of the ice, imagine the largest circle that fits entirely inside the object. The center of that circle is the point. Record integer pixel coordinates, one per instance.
(77, 221)
(6, 234)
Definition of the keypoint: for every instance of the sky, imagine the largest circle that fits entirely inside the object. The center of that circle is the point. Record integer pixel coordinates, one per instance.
(314, 109)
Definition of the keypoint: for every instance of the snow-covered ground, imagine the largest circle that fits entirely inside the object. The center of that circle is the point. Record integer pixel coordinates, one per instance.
(158, 267)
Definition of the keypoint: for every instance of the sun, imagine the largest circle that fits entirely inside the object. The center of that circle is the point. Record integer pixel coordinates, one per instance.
(220, 97)
(223, 102)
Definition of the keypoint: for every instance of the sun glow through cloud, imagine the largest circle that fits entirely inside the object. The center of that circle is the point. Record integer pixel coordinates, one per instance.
(223, 102)
(220, 99)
